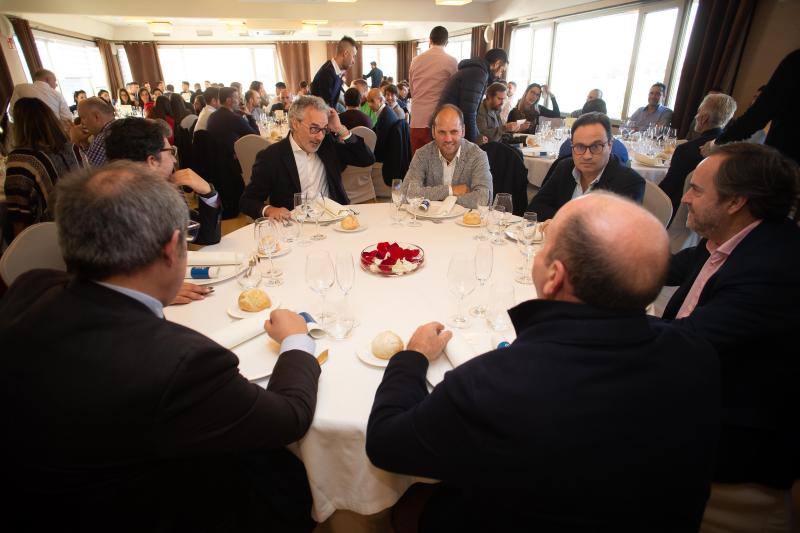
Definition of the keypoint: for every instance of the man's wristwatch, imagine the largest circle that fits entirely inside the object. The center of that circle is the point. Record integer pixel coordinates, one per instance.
(209, 194)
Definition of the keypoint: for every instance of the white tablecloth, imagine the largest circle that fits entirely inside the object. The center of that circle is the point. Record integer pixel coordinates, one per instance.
(340, 475)
(538, 167)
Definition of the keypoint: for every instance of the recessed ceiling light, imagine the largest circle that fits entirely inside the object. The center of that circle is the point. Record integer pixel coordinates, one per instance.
(452, 2)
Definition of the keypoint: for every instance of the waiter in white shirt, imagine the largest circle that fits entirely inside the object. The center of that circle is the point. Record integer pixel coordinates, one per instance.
(44, 88)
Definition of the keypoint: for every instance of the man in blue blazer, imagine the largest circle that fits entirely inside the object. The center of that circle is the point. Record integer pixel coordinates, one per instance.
(596, 418)
(739, 289)
(327, 82)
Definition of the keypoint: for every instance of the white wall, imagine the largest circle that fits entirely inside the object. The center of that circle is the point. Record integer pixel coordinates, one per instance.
(317, 55)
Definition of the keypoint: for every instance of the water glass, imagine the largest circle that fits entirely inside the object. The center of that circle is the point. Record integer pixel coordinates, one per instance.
(503, 299)
(268, 237)
(415, 202)
(301, 214)
(397, 199)
(316, 208)
(344, 320)
(320, 277)
(250, 275)
(461, 281)
(484, 261)
(483, 211)
(494, 224)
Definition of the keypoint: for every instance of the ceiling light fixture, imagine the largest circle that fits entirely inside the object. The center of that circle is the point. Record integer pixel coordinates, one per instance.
(453, 2)
(373, 27)
(160, 28)
(342, 1)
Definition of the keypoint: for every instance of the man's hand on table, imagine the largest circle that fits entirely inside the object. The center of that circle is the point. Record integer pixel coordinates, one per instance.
(429, 340)
(283, 323)
(460, 190)
(277, 213)
(190, 292)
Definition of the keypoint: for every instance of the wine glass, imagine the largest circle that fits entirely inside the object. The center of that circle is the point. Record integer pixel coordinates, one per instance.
(504, 199)
(301, 214)
(316, 208)
(345, 276)
(268, 239)
(192, 230)
(249, 276)
(320, 277)
(397, 199)
(484, 260)
(461, 280)
(414, 201)
(526, 233)
(483, 211)
(494, 224)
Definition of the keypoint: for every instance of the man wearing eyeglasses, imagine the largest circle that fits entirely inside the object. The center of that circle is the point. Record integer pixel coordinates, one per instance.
(590, 168)
(309, 160)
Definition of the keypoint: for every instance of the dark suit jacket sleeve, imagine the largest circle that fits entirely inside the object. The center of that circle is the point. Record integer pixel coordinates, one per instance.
(210, 222)
(412, 432)
(243, 126)
(257, 191)
(549, 198)
(682, 163)
(354, 151)
(681, 265)
(633, 188)
(208, 405)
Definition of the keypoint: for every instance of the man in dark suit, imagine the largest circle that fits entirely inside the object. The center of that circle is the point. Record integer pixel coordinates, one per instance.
(375, 75)
(591, 168)
(225, 126)
(310, 159)
(386, 119)
(327, 82)
(739, 289)
(594, 401)
(714, 112)
(113, 415)
(353, 117)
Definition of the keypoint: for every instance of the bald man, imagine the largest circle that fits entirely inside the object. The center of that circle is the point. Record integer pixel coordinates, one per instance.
(96, 116)
(596, 418)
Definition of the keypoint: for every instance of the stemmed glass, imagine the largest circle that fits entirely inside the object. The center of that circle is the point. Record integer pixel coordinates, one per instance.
(320, 277)
(414, 202)
(483, 211)
(526, 233)
(494, 224)
(461, 280)
(504, 199)
(397, 198)
(484, 260)
(316, 208)
(345, 276)
(301, 214)
(268, 237)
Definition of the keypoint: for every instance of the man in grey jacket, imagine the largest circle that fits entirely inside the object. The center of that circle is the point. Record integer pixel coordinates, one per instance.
(450, 165)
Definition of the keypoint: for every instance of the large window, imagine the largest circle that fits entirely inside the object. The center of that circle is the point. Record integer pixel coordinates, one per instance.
(219, 64)
(460, 47)
(578, 53)
(77, 64)
(385, 55)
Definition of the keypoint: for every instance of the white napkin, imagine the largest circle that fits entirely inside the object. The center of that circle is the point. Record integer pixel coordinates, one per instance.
(213, 272)
(458, 350)
(239, 332)
(331, 206)
(214, 258)
(447, 205)
(646, 160)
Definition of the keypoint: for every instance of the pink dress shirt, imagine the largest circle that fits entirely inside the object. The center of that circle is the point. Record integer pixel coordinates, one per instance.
(719, 254)
(427, 78)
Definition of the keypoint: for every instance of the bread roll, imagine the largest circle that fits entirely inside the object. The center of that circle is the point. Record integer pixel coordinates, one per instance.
(253, 300)
(472, 218)
(350, 222)
(386, 344)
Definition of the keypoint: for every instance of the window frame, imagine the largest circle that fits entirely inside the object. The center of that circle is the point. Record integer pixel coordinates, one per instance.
(47, 37)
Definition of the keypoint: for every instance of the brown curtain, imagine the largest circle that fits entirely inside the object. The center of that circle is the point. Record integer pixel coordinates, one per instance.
(502, 36)
(478, 44)
(113, 70)
(28, 44)
(356, 71)
(712, 56)
(293, 57)
(406, 50)
(144, 62)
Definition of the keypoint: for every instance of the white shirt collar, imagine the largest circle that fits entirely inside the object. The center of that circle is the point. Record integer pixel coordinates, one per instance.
(380, 109)
(577, 175)
(297, 148)
(336, 68)
(148, 301)
(455, 159)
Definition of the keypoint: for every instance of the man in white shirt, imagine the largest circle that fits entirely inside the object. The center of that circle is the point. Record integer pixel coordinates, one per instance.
(44, 88)
(509, 101)
(212, 103)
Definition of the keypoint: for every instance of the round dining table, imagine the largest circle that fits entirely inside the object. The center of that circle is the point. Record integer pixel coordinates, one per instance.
(341, 476)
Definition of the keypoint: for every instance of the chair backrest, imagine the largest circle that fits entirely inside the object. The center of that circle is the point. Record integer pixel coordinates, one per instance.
(357, 183)
(188, 121)
(247, 148)
(367, 134)
(657, 202)
(35, 247)
(680, 236)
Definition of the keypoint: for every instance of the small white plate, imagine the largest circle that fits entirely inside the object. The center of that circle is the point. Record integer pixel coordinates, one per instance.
(460, 222)
(367, 357)
(284, 249)
(338, 227)
(235, 312)
(226, 272)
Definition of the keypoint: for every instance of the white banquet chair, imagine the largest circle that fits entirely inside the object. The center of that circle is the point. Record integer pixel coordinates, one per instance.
(357, 181)
(35, 247)
(657, 202)
(247, 148)
(188, 121)
(680, 236)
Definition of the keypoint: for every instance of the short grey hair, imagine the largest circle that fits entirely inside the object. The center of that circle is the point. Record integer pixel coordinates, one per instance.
(719, 108)
(116, 219)
(298, 109)
(95, 103)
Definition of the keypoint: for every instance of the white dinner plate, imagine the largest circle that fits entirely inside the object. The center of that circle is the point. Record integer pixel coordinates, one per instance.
(367, 357)
(236, 312)
(283, 250)
(460, 222)
(456, 211)
(360, 228)
(325, 218)
(226, 272)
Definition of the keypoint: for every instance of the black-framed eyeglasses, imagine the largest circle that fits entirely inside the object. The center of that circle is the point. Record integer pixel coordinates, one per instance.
(594, 148)
(172, 149)
(314, 130)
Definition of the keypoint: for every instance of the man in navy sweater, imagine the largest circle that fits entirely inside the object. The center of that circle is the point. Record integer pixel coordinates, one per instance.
(596, 418)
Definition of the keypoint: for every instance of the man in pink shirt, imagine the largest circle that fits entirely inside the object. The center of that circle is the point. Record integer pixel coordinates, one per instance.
(740, 290)
(428, 76)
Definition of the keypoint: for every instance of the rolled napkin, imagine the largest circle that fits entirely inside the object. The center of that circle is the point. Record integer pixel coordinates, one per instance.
(647, 160)
(214, 258)
(239, 332)
(204, 272)
(458, 350)
(447, 205)
(332, 207)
